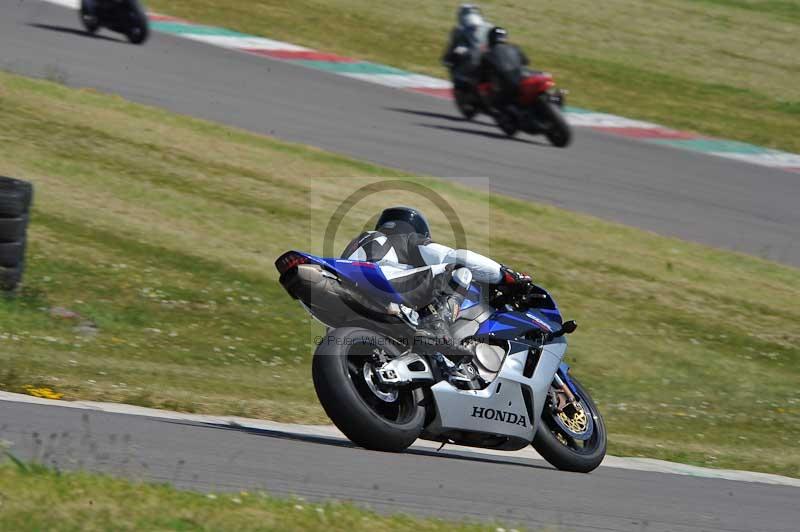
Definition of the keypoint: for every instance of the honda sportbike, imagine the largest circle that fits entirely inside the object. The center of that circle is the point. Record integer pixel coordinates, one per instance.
(507, 387)
(538, 109)
(121, 16)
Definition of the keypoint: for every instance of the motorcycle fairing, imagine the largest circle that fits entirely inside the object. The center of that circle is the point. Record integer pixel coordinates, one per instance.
(534, 84)
(472, 298)
(513, 324)
(460, 411)
(508, 324)
(366, 276)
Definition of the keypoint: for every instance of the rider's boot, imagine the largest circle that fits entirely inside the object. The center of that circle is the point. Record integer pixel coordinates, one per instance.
(435, 323)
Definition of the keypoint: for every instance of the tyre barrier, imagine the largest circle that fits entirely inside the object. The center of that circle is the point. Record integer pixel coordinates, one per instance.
(16, 197)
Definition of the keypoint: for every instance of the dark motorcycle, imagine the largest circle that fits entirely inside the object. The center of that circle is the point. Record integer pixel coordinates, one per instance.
(122, 16)
(537, 111)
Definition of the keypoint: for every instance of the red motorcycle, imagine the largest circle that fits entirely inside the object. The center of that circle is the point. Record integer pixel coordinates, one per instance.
(537, 111)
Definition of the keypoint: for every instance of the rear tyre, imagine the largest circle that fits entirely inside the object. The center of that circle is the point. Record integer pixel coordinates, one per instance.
(553, 123)
(466, 107)
(562, 450)
(381, 420)
(507, 123)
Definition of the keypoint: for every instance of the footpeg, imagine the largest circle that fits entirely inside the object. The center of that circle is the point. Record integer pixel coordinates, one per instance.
(405, 370)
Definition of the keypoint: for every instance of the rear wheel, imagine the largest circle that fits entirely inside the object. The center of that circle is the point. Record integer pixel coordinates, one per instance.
(575, 438)
(507, 122)
(369, 415)
(465, 104)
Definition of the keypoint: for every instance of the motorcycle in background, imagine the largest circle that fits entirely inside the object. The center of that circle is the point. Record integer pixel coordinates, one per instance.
(538, 109)
(121, 16)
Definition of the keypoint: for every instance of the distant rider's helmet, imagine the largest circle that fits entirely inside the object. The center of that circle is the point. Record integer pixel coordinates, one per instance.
(472, 21)
(497, 35)
(402, 220)
(465, 10)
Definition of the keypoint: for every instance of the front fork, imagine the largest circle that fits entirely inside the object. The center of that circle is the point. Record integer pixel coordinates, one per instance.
(559, 97)
(563, 383)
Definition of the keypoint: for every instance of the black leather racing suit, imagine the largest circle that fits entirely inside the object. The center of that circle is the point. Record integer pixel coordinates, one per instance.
(502, 65)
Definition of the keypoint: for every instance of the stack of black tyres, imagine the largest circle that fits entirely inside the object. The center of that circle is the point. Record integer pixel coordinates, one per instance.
(15, 205)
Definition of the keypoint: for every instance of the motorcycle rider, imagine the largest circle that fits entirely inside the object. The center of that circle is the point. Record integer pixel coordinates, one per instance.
(503, 66)
(468, 42)
(432, 278)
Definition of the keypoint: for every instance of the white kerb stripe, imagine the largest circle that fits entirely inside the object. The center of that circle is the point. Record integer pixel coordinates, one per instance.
(72, 4)
(773, 159)
(606, 120)
(401, 81)
(251, 43)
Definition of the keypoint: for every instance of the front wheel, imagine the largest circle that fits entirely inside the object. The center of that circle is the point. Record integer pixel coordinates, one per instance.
(138, 31)
(575, 438)
(89, 20)
(553, 123)
(370, 416)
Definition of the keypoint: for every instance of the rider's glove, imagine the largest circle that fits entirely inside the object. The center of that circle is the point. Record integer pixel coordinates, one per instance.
(514, 279)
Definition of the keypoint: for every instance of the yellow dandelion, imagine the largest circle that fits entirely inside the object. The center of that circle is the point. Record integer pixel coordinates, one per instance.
(44, 392)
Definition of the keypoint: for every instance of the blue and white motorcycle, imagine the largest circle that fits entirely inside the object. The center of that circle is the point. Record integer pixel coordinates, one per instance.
(383, 389)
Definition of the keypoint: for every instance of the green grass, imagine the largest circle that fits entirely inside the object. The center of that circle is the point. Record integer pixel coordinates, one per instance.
(727, 68)
(161, 231)
(35, 498)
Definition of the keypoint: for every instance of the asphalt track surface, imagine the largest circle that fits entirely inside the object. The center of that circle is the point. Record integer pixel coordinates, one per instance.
(697, 197)
(720, 202)
(458, 485)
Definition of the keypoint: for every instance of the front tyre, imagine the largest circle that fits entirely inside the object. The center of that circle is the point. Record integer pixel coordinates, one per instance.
(553, 123)
(372, 417)
(565, 449)
(89, 20)
(138, 30)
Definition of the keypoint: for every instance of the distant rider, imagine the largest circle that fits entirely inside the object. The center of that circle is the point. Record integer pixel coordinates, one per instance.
(503, 66)
(432, 278)
(468, 42)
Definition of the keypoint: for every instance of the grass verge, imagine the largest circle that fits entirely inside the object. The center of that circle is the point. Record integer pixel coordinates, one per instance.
(151, 282)
(724, 68)
(35, 498)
